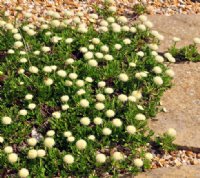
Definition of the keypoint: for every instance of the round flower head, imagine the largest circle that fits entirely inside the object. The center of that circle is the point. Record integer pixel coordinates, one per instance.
(158, 80)
(142, 27)
(98, 120)
(69, 61)
(153, 46)
(170, 72)
(71, 139)
(23, 112)
(148, 24)
(196, 40)
(47, 69)
(100, 97)
(18, 44)
(36, 52)
(62, 73)
(110, 19)
(171, 132)
(89, 79)
(109, 90)
(50, 133)
(23, 60)
(95, 40)
(8, 149)
(99, 55)
(69, 40)
(133, 30)
(64, 98)
(116, 28)
(55, 23)
(127, 41)
(41, 153)
(110, 113)
(32, 154)
(117, 122)
(93, 63)
(143, 18)
(131, 129)
(85, 121)
(106, 131)
(137, 94)
(17, 36)
(176, 39)
(123, 77)
(138, 162)
(11, 51)
(140, 53)
(81, 144)
(1, 139)
(140, 117)
(148, 156)
(125, 28)
(46, 49)
(118, 46)
(68, 83)
(23, 173)
(91, 137)
(157, 69)
(117, 156)
(80, 83)
(84, 103)
(6, 120)
(68, 159)
(73, 76)
(32, 141)
(122, 19)
(101, 84)
(33, 69)
(67, 134)
(159, 58)
(48, 81)
(100, 158)
(108, 57)
(49, 142)
(81, 92)
(99, 106)
(122, 98)
(91, 47)
(12, 158)
(104, 48)
(56, 114)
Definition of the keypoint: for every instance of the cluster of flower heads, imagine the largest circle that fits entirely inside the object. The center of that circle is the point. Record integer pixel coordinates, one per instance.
(91, 96)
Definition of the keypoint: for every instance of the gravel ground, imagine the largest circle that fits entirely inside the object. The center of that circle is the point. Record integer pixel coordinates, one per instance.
(39, 7)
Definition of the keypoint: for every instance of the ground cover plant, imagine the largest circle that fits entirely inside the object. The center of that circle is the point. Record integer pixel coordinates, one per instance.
(76, 96)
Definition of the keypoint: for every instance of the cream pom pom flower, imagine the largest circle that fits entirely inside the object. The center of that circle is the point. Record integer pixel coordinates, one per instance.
(176, 39)
(18, 44)
(99, 55)
(41, 153)
(100, 97)
(95, 40)
(89, 79)
(117, 156)
(81, 92)
(148, 156)
(85, 120)
(32, 154)
(122, 98)
(122, 19)
(123, 77)
(99, 106)
(143, 18)
(47, 69)
(33, 69)
(6, 120)
(23, 60)
(108, 57)
(62, 73)
(46, 49)
(106, 131)
(91, 137)
(12, 158)
(101, 158)
(55, 23)
(98, 120)
(140, 117)
(158, 80)
(67, 134)
(133, 30)
(118, 46)
(170, 72)
(23, 173)
(127, 41)
(142, 27)
(101, 84)
(112, 9)
(17, 36)
(8, 149)
(64, 98)
(117, 122)
(196, 40)
(69, 61)
(23, 112)
(48, 81)
(93, 63)
(49, 142)
(71, 139)
(159, 58)
(109, 90)
(56, 114)
(81, 144)
(84, 103)
(69, 40)
(32, 141)
(1, 139)
(138, 162)
(73, 76)
(50, 133)
(68, 159)
(131, 129)
(31, 106)
(157, 70)
(110, 113)
(171, 132)
(104, 48)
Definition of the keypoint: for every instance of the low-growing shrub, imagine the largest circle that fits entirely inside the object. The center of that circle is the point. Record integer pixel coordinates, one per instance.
(75, 97)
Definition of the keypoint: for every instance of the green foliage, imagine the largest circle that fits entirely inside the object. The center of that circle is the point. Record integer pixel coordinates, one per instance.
(139, 9)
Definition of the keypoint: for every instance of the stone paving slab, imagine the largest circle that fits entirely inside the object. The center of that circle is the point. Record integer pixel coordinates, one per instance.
(185, 27)
(182, 102)
(180, 172)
